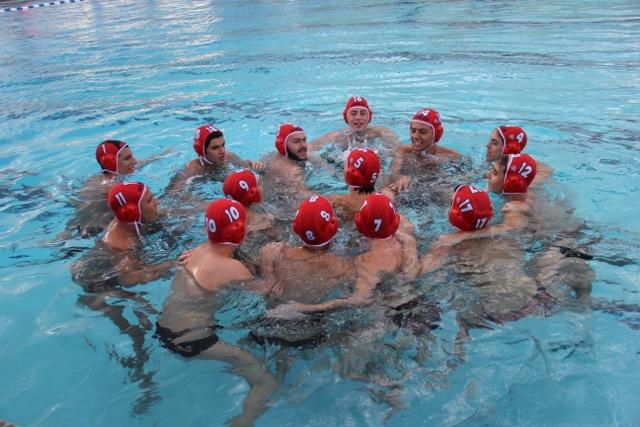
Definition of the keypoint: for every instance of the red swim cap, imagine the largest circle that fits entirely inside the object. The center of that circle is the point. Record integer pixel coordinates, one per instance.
(224, 221)
(514, 139)
(200, 138)
(315, 222)
(285, 131)
(470, 208)
(356, 102)
(124, 200)
(362, 168)
(377, 218)
(107, 155)
(242, 186)
(430, 117)
(520, 172)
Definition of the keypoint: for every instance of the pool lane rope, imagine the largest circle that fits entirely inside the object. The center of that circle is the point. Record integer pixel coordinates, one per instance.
(37, 5)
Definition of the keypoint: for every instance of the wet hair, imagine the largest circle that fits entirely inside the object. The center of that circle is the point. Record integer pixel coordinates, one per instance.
(213, 135)
(366, 190)
(115, 142)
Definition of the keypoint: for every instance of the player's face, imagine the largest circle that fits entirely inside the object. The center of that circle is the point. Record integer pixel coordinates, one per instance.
(297, 146)
(149, 207)
(422, 136)
(495, 177)
(216, 151)
(494, 146)
(126, 161)
(358, 118)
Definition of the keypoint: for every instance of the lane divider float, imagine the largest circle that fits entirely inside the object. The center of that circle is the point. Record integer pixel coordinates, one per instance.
(37, 5)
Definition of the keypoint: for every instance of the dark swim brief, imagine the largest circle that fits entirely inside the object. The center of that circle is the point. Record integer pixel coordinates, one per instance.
(296, 333)
(418, 315)
(574, 253)
(186, 348)
(101, 286)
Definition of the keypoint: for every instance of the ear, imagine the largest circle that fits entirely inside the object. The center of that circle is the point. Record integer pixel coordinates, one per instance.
(439, 132)
(280, 145)
(254, 195)
(297, 226)
(110, 161)
(514, 184)
(335, 223)
(396, 223)
(353, 171)
(197, 147)
(129, 213)
(358, 220)
(235, 231)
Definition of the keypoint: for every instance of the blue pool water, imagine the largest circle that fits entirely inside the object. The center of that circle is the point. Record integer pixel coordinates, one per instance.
(149, 72)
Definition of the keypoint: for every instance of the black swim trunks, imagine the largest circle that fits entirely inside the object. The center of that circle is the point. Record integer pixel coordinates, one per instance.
(418, 315)
(186, 348)
(306, 333)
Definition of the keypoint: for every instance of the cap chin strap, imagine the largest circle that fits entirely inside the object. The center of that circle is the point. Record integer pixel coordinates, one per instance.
(235, 245)
(118, 160)
(203, 160)
(424, 153)
(354, 137)
(380, 238)
(135, 223)
(504, 140)
(316, 246)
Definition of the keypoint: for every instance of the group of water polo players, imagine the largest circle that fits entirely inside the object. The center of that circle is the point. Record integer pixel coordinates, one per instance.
(265, 199)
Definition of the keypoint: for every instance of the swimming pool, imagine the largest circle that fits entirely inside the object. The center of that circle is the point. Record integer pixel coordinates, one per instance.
(149, 72)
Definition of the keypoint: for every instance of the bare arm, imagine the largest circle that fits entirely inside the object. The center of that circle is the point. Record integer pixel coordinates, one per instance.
(179, 181)
(399, 182)
(256, 165)
(435, 255)
(292, 309)
(543, 173)
(410, 264)
(366, 281)
(318, 143)
(268, 283)
(389, 138)
(145, 162)
(236, 275)
(260, 221)
(321, 163)
(445, 153)
(131, 271)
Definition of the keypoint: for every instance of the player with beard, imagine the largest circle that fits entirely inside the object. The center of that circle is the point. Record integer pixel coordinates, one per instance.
(284, 180)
